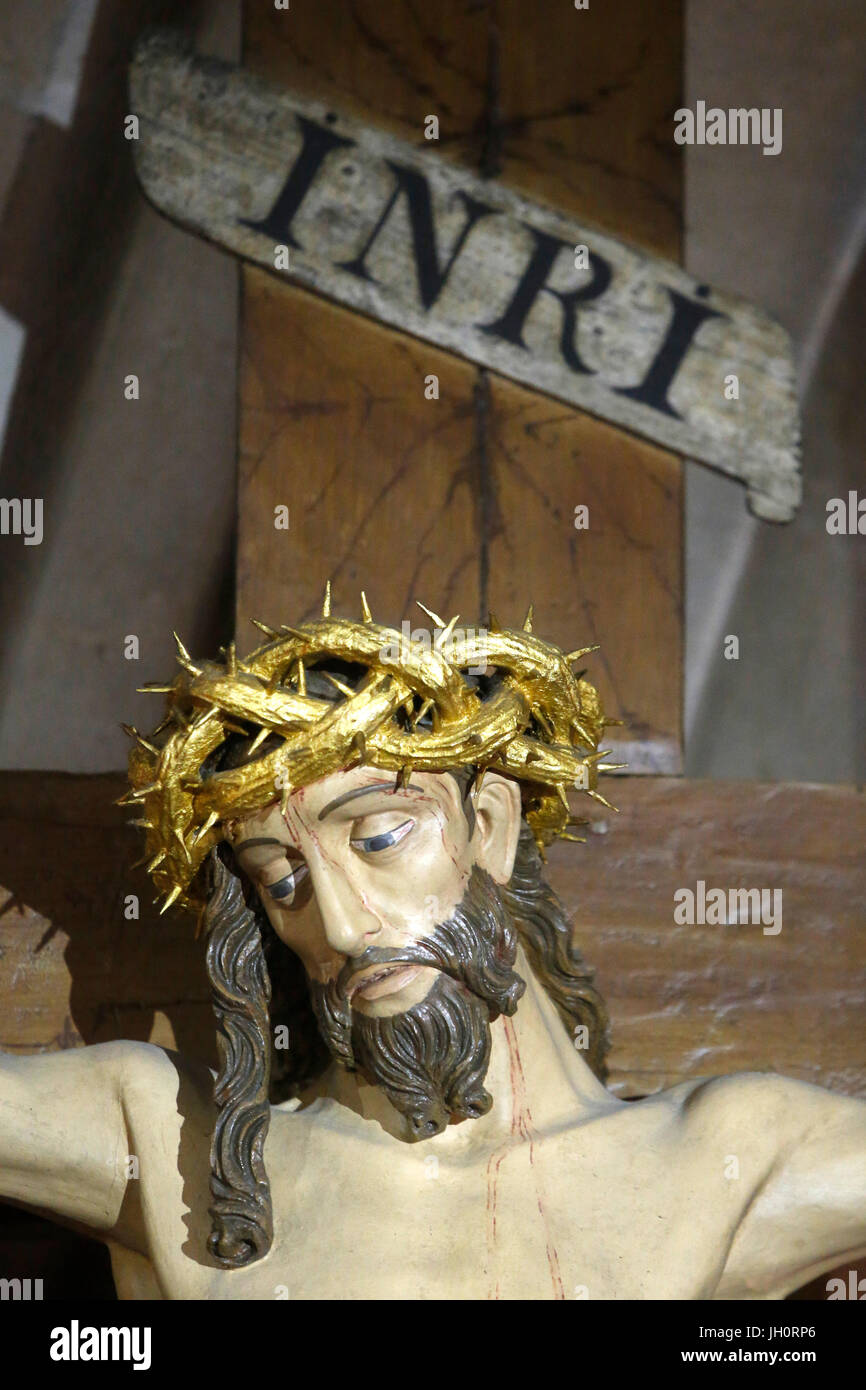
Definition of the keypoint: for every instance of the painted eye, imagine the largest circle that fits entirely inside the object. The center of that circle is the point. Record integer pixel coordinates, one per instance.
(372, 843)
(283, 891)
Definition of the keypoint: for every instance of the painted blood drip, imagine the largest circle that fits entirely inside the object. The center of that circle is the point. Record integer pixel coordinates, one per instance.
(522, 1129)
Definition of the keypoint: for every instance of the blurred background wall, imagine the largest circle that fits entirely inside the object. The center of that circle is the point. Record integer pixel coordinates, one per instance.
(139, 495)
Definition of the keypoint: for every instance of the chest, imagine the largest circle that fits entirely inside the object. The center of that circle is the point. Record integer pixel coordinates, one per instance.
(429, 1227)
(540, 1219)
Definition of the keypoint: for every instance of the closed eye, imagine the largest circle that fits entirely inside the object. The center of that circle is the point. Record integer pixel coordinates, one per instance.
(371, 844)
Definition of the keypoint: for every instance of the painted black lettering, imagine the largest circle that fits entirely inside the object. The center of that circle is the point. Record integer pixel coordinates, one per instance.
(318, 143)
(687, 319)
(431, 275)
(533, 280)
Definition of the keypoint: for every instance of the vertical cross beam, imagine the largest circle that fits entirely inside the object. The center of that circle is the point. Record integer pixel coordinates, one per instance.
(469, 501)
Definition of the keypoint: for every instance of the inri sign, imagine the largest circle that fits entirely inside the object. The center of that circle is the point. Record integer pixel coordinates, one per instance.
(402, 235)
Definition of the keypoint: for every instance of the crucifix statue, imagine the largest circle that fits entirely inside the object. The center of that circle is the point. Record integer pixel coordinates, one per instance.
(412, 1050)
(484, 383)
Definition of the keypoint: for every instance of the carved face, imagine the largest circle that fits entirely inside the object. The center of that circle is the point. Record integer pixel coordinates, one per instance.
(356, 865)
(391, 899)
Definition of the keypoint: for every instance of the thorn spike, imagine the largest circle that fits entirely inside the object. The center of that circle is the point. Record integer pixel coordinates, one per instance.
(445, 634)
(130, 798)
(527, 621)
(340, 685)
(206, 826)
(542, 719)
(131, 732)
(440, 622)
(326, 602)
(422, 711)
(172, 897)
(597, 796)
(365, 608)
(258, 740)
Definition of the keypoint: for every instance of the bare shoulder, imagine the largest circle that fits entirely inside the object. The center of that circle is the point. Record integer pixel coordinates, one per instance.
(132, 1072)
(760, 1121)
(797, 1152)
(157, 1080)
(706, 1103)
(160, 1066)
(781, 1110)
(67, 1119)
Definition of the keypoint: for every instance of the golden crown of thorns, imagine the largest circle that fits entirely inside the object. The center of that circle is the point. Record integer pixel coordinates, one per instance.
(415, 709)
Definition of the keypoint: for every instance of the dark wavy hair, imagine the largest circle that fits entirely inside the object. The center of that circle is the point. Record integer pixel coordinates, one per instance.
(259, 984)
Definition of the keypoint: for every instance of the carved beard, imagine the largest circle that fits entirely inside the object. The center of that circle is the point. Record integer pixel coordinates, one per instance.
(431, 1060)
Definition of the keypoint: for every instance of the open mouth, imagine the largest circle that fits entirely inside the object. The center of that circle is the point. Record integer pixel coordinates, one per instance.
(380, 980)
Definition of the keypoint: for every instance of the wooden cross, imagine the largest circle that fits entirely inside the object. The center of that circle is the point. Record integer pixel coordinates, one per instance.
(469, 502)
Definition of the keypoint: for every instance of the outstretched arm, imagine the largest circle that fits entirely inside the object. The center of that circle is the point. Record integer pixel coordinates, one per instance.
(63, 1134)
(809, 1214)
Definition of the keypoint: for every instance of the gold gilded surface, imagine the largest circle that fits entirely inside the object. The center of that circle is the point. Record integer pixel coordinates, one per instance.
(477, 698)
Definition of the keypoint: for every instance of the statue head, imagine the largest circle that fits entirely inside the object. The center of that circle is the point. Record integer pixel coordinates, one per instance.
(359, 817)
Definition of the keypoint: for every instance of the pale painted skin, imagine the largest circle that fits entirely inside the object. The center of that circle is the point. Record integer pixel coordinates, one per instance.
(561, 1191)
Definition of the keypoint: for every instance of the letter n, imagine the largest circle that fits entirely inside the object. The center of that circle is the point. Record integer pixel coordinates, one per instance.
(431, 275)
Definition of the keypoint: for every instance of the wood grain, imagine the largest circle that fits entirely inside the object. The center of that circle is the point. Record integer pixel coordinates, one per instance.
(707, 1000)
(684, 1001)
(471, 498)
(572, 107)
(74, 969)
(381, 485)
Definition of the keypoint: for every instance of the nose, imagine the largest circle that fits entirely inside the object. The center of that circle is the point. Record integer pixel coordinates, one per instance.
(349, 925)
